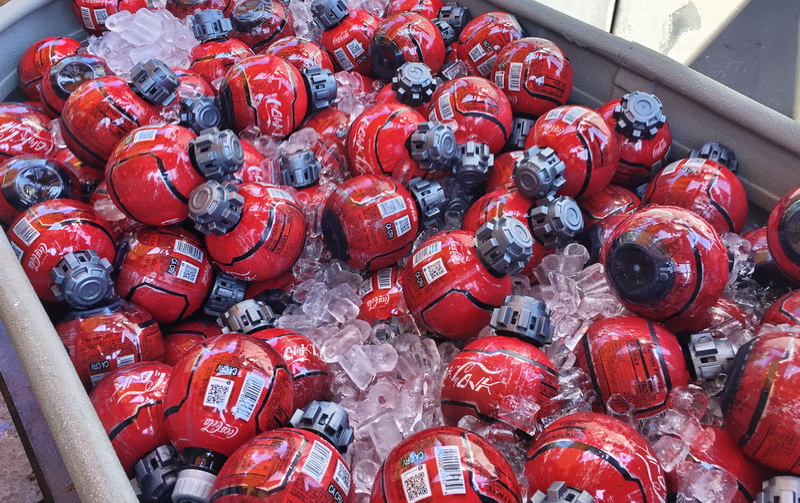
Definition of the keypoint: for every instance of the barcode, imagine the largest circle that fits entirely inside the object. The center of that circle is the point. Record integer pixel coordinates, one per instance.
(416, 484)
(355, 49)
(189, 250)
(694, 162)
(342, 58)
(26, 232)
(342, 476)
(500, 79)
(385, 279)
(572, 115)
(188, 272)
(402, 225)
(317, 462)
(96, 378)
(366, 287)
(101, 15)
(218, 392)
(485, 68)
(145, 135)
(451, 476)
(434, 270)
(280, 194)
(426, 252)
(248, 398)
(552, 114)
(17, 250)
(86, 14)
(125, 360)
(476, 53)
(445, 109)
(392, 206)
(515, 77)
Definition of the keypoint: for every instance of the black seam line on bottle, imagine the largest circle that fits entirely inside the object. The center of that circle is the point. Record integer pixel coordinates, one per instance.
(697, 286)
(70, 221)
(378, 157)
(295, 84)
(587, 351)
(247, 98)
(162, 170)
(484, 115)
(368, 265)
(175, 408)
(477, 303)
(101, 89)
(147, 323)
(129, 420)
(722, 211)
(185, 298)
(87, 150)
(268, 229)
(518, 356)
(783, 236)
(588, 177)
(540, 96)
(415, 43)
(189, 332)
(272, 383)
(783, 310)
(258, 45)
(311, 373)
(466, 444)
(635, 164)
(608, 458)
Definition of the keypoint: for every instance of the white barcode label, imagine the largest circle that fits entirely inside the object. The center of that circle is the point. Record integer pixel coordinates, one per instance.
(189, 250)
(416, 484)
(342, 476)
(573, 115)
(317, 462)
(500, 79)
(125, 360)
(366, 287)
(26, 232)
(342, 58)
(101, 15)
(694, 162)
(280, 194)
(476, 53)
(434, 270)
(17, 251)
(451, 476)
(248, 398)
(445, 108)
(96, 378)
(515, 77)
(426, 252)
(485, 68)
(86, 14)
(355, 49)
(385, 279)
(218, 392)
(392, 206)
(145, 135)
(552, 114)
(188, 272)
(402, 225)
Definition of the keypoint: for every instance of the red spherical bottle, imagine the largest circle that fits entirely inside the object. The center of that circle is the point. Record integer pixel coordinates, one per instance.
(455, 279)
(103, 339)
(92, 14)
(476, 110)
(258, 23)
(501, 176)
(634, 357)
(47, 231)
(300, 52)
(445, 465)
(666, 263)
(598, 454)
(118, 222)
(222, 393)
(24, 129)
(425, 8)
(192, 86)
(705, 187)
(65, 76)
(382, 296)
(611, 200)
(346, 33)
(535, 74)
(181, 337)
(722, 312)
(482, 39)
(784, 310)
(332, 127)
(26, 180)
(759, 391)
(766, 273)
(164, 270)
(35, 63)
(88, 177)
(405, 38)
(186, 8)
(783, 234)
(597, 237)
(216, 53)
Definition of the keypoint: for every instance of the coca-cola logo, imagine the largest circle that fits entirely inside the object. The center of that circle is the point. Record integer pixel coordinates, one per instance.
(35, 260)
(341, 38)
(379, 300)
(660, 147)
(297, 352)
(474, 376)
(362, 165)
(9, 134)
(219, 428)
(273, 115)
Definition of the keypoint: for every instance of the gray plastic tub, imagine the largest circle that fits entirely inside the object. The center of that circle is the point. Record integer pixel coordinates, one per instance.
(606, 67)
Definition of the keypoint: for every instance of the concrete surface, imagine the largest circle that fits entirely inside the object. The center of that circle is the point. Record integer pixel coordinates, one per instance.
(18, 481)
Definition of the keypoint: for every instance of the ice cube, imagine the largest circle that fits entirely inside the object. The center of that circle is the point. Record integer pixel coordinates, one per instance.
(333, 348)
(357, 366)
(382, 356)
(670, 451)
(384, 433)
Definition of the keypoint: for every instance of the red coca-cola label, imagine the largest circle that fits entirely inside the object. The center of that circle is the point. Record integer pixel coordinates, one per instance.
(349, 41)
(483, 38)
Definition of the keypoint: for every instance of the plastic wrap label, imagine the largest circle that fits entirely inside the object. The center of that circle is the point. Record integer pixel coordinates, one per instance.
(451, 475)
(248, 398)
(343, 60)
(317, 462)
(445, 109)
(384, 279)
(280, 194)
(515, 77)
(392, 206)
(218, 392)
(416, 484)
(26, 232)
(188, 250)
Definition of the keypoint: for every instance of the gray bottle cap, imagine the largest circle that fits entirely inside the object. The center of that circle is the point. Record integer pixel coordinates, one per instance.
(329, 13)
(430, 198)
(200, 114)
(82, 279)
(157, 473)
(556, 221)
(539, 173)
(68, 73)
(559, 492)
(249, 14)
(247, 316)
(300, 169)
(710, 355)
(321, 87)
(639, 115)
(505, 245)
(449, 34)
(217, 153)
(523, 317)
(455, 15)
(155, 82)
(210, 24)
(215, 207)
(433, 145)
(473, 163)
(716, 151)
(520, 129)
(413, 84)
(225, 292)
(328, 420)
(779, 489)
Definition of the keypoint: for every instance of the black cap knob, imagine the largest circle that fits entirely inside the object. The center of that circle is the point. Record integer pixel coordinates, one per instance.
(300, 169)
(539, 173)
(329, 13)
(559, 492)
(639, 115)
(155, 82)
(430, 199)
(386, 56)
(321, 87)
(215, 207)
(82, 279)
(328, 420)
(225, 292)
(473, 164)
(523, 317)
(210, 24)
(504, 244)
(455, 15)
(640, 270)
(520, 129)
(157, 472)
(718, 152)
(448, 32)
(217, 153)
(556, 221)
(413, 84)
(249, 14)
(247, 317)
(433, 145)
(68, 73)
(200, 114)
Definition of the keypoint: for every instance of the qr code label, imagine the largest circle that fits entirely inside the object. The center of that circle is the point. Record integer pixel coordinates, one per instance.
(355, 49)
(125, 360)
(188, 272)
(343, 60)
(500, 79)
(342, 476)
(416, 484)
(552, 114)
(101, 15)
(476, 53)
(145, 135)
(26, 232)
(366, 287)
(218, 392)
(402, 225)
(434, 270)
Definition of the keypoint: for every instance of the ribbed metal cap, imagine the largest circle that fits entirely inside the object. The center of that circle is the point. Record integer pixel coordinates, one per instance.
(249, 14)
(449, 34)
(67, 74)
(329, 13)
(225, 292)
(321, 87)
(430, 198)
(520, 129)
(710, 355)
(539, 173)
(559, 492)
(82, 279)
(300, 169)
(210, 24)
(455, 15)
(433, 145)
(155, 82)
(200, 114)
(215, 207)
(413, 84)
(556, 221)
(779, 489)
(523, 317)
(217, 154)
(157, 473)
(505, 245)
(474, 161)
(328, 420)
(640, 270)
(247, 316)
(716, 151)
(639, 115)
